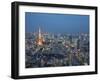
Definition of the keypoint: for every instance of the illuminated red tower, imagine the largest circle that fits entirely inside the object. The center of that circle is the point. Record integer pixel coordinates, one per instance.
(40, 38)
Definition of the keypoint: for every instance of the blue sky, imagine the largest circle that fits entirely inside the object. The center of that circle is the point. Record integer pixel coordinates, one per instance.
(56, 23)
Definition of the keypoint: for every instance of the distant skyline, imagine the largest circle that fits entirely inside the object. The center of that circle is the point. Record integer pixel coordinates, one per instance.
(56, 23)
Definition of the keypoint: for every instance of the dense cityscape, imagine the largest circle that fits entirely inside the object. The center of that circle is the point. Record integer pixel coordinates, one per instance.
(44, 49)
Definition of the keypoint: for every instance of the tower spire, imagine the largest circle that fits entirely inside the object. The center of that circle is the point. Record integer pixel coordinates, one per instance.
(40, 33)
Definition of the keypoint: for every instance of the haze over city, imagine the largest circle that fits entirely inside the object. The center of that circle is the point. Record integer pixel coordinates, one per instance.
(53, 40)
(57, 23)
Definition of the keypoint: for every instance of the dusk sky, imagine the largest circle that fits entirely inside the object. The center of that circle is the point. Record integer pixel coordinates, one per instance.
(56, 23)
